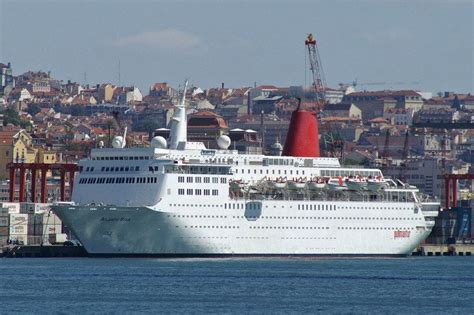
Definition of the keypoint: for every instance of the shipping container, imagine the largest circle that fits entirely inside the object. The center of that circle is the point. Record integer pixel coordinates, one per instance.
(34, 208)
(4, 231)
(20, 239)
(18, 218)
(47, 218)
(18, 229)
(4, 221)
(13, 207)
(57, 238)
(4, 212)
(35, 240)
(3, 240)
(40, 229)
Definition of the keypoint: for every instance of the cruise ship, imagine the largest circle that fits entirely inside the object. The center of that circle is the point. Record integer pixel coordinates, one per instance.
(181, 199)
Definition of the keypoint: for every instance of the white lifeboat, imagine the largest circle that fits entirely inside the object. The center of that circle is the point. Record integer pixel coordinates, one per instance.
(337, 183)
(377, 183)
(317, 183)
(278, 183)
(297, 183)
(356, 183)
(237, 184)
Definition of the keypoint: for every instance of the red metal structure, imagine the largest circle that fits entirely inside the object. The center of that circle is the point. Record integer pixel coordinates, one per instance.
(316, 68)
(34, 168)
(448, 178)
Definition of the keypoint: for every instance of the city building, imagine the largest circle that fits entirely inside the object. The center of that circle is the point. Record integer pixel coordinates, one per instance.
(206, 127)
(6, 79)
(399, 116)
(426, 174)
(343, 110)
(15, 146)
(374, 104)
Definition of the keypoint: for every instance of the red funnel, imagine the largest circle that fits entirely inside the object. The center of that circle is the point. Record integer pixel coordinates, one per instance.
(302, 138)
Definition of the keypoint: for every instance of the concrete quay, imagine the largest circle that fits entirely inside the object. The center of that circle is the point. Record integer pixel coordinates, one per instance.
(444, 250)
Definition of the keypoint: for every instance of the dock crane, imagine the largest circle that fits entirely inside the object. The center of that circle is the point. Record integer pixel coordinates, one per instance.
(332, 139)
(316, 67)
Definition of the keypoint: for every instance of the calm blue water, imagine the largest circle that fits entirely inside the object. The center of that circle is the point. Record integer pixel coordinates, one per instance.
(85, 285)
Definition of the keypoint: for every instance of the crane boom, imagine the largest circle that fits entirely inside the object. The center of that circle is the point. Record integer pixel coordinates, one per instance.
(333, 141)
(319, 82)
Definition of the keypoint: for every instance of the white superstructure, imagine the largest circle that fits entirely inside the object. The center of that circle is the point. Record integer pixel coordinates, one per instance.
(187, 200)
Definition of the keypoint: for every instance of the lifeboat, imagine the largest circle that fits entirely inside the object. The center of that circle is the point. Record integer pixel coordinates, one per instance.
(278, 183)
(237, 184)
(297, 183)
(356, 183)
(336, 183)
(317, 183)
(376, 183)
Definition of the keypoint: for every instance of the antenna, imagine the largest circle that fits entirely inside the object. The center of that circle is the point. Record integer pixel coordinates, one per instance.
(178, 132)
(124, 143)
(183, 99)
(119, 79)
(85, 78)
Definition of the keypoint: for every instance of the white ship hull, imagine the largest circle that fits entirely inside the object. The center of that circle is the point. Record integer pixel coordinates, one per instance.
(186, 200)
(271, 231)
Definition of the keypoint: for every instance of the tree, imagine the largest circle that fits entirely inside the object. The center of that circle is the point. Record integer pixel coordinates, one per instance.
(147, 125)
(10, 116)
(78, 110)
(33, 109)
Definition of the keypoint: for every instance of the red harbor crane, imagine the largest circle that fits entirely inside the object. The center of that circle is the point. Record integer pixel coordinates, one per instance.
(332, 139)
(316, 67)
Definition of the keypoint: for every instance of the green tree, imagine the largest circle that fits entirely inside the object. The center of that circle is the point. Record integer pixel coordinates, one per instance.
(33, 109)
(10, 116)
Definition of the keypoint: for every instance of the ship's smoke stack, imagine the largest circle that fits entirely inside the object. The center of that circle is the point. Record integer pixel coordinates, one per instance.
(303, 137)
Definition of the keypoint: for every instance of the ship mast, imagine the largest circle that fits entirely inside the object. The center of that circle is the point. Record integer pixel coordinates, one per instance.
(178, 132)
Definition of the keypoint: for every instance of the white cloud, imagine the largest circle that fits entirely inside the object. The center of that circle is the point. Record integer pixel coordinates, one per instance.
(160, 39)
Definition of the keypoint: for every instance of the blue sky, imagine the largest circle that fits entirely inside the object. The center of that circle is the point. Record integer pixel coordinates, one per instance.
(242, 42)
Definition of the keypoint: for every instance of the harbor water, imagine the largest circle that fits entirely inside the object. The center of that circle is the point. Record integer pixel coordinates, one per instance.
(89, 285)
